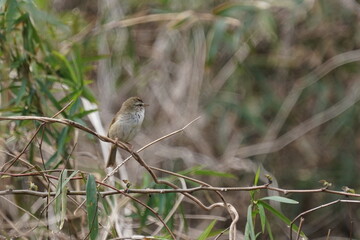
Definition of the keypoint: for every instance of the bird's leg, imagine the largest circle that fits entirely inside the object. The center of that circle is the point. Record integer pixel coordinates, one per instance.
(130, 147)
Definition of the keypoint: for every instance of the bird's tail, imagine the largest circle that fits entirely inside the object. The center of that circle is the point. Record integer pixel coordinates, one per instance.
(112, 157)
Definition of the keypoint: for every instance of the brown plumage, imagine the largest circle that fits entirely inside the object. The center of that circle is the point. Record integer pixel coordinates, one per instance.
(126, 124)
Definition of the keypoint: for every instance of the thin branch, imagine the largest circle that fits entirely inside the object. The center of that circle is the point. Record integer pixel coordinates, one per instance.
(328, 234)
(169, 135)
(115, 190)
(301, 215)
(69, 123)
(11, 163)
(143, 204)
(300, 227)
(166, 190)
(148, 145)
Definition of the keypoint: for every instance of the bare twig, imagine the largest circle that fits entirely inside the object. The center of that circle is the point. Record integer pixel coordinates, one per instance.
(300, 227)
(11, 163)
(319, 207)
(143, 204)
(185, 191)
(69, 123)
(148, 145)
(166, 190)
(46, 194)
(328, 234)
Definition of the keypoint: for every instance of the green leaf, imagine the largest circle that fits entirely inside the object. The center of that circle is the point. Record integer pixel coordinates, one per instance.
(61, 200)
(249, 229)
(217, 38)
(107, 208)
(21, 92)
(213, 173)
(42, 17)
(190, 170)
(92, 206)
(275, 212)
(76, 65)
(65, 63)
(256, 180)
(61, 197)
(66, 179)
(84, 113)
(262, 216)
(268, 228)
(10, 14)
(281, 216)
(257, 175)
(45, 89)
(280, 199)
(60, 145)
(75, 106)
(88, 94)
(204, 235)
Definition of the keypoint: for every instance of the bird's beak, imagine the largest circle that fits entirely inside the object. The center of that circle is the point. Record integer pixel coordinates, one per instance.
(146, 105)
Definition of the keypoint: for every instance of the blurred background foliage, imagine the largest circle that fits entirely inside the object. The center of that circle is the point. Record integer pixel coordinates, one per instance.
(253, 70)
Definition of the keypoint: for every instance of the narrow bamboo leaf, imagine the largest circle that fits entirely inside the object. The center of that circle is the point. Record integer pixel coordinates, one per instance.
(10, 15)
(75, 106)
(82, 114)
(256, 180)
(76, 66)
(257, 175)
(42, 17)
(268, 228)
(190, 170)
(249, 224)
(204, 235)
(57, 79)
(67, 66)
(60, 146)
(262, 216)
(69, 178)
(60, 200)
(88, 94)
(20, 92)
(29, 35)
(106, 206)
(280, 199)
(281, 216)
(217, 38)
(92, 206)
(74, 94)
(275, 212)
(246, 232)
(45, 89)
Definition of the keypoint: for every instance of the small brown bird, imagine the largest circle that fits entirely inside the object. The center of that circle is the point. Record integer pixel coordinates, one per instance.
(126, 124)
